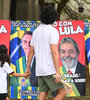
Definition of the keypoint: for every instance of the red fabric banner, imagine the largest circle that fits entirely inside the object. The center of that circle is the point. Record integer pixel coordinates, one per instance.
(72, 55)
(75, 30)
(5, 29)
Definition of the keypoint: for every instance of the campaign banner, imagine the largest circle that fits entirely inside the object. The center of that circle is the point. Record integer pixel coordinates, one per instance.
(5, 29)
(72, 55)
(20, 38)
(87, 40)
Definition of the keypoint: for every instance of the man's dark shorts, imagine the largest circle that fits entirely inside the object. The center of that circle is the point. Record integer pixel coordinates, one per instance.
(47, 83)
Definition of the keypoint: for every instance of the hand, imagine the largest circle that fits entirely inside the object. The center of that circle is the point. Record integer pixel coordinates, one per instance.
(28, 73)
(57, 77)
(7, 98)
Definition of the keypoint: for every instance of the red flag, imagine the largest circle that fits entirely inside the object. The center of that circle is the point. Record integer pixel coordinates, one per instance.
(5, 29)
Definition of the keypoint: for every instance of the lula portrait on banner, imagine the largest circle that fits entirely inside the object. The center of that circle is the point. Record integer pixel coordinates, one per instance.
(72, 55)
(72, 70)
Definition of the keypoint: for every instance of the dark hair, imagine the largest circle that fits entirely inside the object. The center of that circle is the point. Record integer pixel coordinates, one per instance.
(70, 40)
(4, 57)
(48, 15)
(27, 32)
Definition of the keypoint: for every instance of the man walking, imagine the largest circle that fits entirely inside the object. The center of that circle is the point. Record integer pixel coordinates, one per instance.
(44, 46)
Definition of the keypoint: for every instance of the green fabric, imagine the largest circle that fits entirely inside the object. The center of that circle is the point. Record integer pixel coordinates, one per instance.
(47, 83)
(13, 81)
(74, 87)
(22, 81)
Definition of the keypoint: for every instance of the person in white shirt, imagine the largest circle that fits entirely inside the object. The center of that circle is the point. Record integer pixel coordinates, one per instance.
(4, 70)
(44, 46)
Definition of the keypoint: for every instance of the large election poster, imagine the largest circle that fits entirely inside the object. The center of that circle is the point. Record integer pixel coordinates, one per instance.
(5, 29)
(87, 40)
(72, 55)
(20, 38)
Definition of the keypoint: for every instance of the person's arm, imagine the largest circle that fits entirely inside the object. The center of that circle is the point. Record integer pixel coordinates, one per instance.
(31, 54)
(55, 55)
(20, 75)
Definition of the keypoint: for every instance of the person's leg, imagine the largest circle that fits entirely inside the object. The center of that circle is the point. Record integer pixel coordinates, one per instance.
(61, 94)
(7, 98)
(43, 88)
(42, 95)
(67, 89)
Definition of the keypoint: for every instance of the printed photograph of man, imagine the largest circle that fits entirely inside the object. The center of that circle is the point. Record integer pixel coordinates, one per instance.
(72, 69)
(21, 64)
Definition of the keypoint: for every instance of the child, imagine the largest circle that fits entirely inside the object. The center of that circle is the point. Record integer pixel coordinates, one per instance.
(4, 70)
